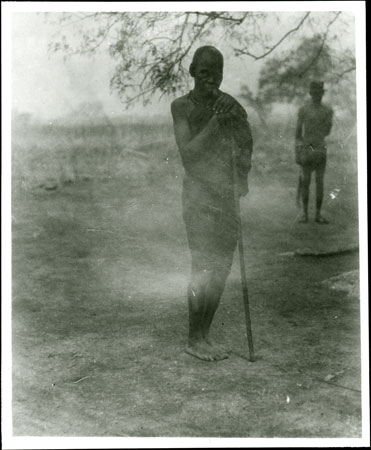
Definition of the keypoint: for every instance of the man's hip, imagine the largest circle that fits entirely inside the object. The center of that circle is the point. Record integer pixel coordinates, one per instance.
(310, 156)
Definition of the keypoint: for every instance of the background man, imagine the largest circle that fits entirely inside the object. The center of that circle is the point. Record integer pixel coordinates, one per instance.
(206, 123)
(313, 125)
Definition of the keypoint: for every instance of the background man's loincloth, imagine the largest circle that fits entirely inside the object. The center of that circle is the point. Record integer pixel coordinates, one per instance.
(311, 157)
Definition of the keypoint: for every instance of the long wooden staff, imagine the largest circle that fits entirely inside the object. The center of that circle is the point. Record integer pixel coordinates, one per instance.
(241, 251)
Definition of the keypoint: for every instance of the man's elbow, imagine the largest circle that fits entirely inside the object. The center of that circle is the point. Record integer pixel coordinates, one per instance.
(249, 144)
(186, 153)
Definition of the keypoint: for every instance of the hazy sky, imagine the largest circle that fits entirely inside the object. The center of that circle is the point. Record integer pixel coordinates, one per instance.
(46, 86)
(42, 83)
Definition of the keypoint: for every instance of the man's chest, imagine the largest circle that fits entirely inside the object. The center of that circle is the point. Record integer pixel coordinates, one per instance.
(315, 116)
(198, 117)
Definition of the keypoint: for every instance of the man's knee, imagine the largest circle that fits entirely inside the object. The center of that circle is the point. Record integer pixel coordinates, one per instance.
(319, 182)
(320, 174)
(200, 278)
(207, 278)
(306, 175)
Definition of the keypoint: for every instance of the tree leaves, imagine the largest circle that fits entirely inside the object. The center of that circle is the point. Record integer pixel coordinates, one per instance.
(150, 48)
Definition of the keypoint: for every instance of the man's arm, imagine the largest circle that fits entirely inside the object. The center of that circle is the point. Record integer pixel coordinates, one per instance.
(191, 148)
(328, 122)
(228, 107)
(232, 114)
(243, 138)
(299, 136)
(299, 127)
(236, 118)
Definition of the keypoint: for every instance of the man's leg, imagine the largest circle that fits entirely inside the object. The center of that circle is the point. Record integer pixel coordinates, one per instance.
(214, 292)
(306, 176)
(196, 305)
(225, 243)
(205, 288)
(199, 301)
(299, 191)
(320, 175)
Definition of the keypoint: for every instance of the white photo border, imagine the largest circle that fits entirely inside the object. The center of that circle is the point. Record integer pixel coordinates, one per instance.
(9, 441)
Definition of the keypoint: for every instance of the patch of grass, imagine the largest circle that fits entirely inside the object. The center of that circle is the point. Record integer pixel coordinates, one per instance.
(100, 271)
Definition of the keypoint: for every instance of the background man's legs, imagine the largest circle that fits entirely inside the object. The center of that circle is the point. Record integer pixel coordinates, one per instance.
(320, 175)
(306, 177)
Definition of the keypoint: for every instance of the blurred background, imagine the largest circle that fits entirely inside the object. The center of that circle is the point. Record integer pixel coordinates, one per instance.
(80, 81)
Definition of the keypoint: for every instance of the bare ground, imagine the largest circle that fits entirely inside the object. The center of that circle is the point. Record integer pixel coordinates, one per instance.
(100, 270)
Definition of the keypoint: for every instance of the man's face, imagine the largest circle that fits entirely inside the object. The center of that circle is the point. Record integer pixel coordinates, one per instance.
(316, 95)
(208, 73)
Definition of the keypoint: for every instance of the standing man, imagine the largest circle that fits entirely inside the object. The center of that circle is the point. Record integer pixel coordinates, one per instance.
(207, 122)
(313, 125)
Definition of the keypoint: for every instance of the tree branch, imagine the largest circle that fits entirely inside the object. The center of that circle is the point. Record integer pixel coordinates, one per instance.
(317, 55)
(239, 52)
(344, 72)
(215, 15)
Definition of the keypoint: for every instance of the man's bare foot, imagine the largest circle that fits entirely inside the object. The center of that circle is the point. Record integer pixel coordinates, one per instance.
(219, 347)
(320, 219)
(204, 351)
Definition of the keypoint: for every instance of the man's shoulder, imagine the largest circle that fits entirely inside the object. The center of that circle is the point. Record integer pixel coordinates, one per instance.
(241, 108)
(227, 93)
(309, 107)
(180, 104)
(304, 108)
(231, 96)
(327, 108)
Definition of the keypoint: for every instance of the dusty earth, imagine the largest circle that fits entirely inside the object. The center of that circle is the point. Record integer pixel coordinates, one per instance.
(100, 269)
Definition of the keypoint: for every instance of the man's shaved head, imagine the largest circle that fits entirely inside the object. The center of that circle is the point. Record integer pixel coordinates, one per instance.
(208, 50)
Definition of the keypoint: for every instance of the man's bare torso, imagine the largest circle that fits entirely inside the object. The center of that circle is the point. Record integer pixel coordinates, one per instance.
(212, 166)
(316, 121)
